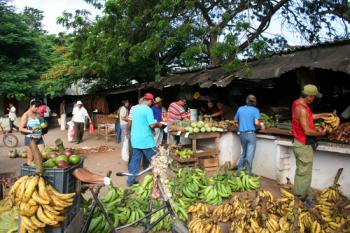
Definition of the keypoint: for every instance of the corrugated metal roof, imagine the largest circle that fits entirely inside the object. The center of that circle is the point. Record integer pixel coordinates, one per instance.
(331, 56)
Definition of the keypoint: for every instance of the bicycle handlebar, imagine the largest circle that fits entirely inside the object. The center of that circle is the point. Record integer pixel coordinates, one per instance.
(135, 175)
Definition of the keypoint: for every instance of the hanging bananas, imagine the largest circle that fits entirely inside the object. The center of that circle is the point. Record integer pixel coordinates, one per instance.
(38, 203)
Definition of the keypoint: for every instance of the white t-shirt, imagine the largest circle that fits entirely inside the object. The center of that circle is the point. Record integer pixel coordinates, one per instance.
(123, 113)
(12, 113)
(79, 114)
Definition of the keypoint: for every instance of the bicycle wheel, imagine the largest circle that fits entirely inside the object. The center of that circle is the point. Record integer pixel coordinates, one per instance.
(10, 140)
(178, 226)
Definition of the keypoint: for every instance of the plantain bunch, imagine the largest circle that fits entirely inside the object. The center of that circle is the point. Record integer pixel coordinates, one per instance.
(39, 204)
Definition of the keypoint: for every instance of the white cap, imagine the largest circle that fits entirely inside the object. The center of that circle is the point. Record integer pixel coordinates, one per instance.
(79, 102)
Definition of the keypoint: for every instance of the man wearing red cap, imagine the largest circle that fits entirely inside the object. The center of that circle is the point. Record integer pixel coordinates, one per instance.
(141, 136)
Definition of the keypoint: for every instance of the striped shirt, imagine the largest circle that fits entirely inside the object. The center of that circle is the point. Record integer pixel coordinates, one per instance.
(176, 112)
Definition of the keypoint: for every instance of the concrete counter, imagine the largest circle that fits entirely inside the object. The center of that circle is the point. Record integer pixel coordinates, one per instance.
(274, 159)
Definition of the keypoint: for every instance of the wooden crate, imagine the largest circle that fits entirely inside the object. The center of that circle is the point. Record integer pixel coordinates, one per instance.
(191, 162)
(209, 162)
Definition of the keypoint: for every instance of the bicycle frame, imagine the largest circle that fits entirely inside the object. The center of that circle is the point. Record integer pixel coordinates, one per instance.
(148, 226)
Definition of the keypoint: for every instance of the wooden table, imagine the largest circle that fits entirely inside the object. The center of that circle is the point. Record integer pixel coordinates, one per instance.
(208, 157)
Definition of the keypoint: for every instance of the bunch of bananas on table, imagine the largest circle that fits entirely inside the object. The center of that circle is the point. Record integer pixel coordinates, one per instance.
(203, 225)
(264, 214)
(144, 190)
(39, 204)
(330, 123)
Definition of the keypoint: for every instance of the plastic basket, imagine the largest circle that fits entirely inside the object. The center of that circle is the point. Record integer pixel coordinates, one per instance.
(69, 217)
(69, 214)
(61, 179)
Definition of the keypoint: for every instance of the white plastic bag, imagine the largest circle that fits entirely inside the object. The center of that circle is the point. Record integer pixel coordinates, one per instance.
(125, 149)
(70, 132)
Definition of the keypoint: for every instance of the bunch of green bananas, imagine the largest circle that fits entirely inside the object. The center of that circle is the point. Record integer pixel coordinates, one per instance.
(144, 190)
(244, 182)
(162, 225)
(110, 201)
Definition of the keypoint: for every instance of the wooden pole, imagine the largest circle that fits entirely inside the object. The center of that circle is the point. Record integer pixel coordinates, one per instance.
(38, 159)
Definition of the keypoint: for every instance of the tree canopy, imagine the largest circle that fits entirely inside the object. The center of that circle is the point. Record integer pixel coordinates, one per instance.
(143, 40)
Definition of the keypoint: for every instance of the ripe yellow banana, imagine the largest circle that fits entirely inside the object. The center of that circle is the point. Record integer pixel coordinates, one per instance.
(60, 203)
(36, 222)
(20, 191)
(27, 210)
(61, 196)
(50, 209)
(16, 185)
(31, 186)
(53, 217)
(28, 223)
(42, 190)
(38, 199)
(286, 194)
(43, 218)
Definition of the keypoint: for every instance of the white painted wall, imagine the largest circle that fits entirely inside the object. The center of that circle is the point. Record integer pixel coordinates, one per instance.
(274, 159)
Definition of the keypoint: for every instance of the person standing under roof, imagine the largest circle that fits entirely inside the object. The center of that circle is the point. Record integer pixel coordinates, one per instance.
(141, 136)
(12, 117)
(123, 118)
(248, 119)
(176, 112)
(157, 112)
(79, 115)
(224, 112)
(305, 133)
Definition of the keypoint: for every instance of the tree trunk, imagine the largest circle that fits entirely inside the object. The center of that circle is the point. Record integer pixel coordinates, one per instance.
(215, 61)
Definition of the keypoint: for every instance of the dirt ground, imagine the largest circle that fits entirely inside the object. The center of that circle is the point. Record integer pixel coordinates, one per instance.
(99, 163)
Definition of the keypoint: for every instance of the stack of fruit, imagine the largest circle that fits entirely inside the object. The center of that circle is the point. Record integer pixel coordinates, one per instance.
(184, 153)
(330, 123)
(39, 204)
(62, 161)
(266, 215)
(268, 121)
(202, 127)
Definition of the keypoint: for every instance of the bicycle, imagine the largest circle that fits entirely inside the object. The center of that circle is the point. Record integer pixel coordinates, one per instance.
(177, 226)
(9, 139)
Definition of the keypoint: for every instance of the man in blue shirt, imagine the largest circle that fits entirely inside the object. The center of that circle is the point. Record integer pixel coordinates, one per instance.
(157, 112)
(248, 118)
(142, 140)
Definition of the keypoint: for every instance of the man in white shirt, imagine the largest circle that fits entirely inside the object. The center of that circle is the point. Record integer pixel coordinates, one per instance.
(123, 117)
(12, 117)
(79, 115)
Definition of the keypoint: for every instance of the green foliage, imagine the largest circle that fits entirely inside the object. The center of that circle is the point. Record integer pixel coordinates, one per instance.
(21, 56)
(144, 40)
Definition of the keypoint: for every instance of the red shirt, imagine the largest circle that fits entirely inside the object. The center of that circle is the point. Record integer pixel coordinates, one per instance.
(176, 112)
(297, 130)
(41, 110)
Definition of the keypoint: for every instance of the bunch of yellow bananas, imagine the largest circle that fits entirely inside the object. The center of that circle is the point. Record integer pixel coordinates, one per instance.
(39, 204)
(265, 214)
(199, 225)
(199, 209)
(331, 123)
(223, 212)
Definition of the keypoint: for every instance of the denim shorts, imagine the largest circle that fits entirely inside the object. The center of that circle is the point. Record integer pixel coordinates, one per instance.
(37, 141)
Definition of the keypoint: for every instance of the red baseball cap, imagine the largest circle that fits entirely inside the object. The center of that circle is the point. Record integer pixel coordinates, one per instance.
(149, 96)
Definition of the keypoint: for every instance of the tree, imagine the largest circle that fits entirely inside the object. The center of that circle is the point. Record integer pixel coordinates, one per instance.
(62, 71)
(21, 58)
(144, 39)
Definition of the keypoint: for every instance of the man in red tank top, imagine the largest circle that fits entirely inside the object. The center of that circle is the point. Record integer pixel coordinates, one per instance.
(303, 130)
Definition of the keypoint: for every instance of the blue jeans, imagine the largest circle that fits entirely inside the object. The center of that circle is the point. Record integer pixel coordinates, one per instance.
(134, 164)
(118, 131)
(248, 141)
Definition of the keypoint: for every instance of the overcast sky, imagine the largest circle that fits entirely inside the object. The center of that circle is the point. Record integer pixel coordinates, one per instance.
(52, 9)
